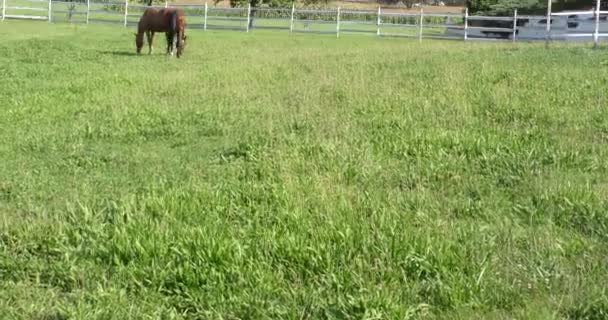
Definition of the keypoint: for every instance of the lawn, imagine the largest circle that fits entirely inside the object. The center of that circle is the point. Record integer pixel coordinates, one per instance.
(269, 175)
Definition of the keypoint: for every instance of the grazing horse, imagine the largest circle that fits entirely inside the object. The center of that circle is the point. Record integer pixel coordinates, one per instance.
(168, 20)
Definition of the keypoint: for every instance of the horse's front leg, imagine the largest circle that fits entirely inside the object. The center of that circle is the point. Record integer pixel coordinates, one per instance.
(150, 35)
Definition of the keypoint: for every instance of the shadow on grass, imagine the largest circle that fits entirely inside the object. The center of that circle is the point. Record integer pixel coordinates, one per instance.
(119, 53)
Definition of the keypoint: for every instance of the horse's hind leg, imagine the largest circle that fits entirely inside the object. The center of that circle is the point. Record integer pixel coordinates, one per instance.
(168, 36)
(150, 35)
(170, 42)
(173, 43)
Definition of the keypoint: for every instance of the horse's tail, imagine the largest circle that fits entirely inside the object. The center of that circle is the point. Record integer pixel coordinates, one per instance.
(174, 22)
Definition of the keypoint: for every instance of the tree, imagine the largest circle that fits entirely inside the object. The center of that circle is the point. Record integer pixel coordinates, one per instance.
(268, 3)
(255, 4)
(407, 3)
(152, 2)
(506, 7)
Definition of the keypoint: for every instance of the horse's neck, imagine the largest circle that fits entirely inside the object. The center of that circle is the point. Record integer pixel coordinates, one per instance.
(141, 27)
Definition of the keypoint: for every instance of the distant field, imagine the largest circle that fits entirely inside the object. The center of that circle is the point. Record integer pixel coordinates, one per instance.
(277, 176)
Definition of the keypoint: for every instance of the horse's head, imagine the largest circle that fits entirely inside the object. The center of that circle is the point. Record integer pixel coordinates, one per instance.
(181, 44)
(139, 41)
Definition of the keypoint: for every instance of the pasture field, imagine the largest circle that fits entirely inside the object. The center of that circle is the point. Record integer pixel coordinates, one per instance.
(277, 176)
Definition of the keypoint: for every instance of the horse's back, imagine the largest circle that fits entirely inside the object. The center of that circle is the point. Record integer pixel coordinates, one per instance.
(159, 20)
(154, 19)
(162, 12)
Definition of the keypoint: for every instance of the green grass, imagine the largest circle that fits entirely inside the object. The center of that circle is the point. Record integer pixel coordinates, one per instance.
(277, 176)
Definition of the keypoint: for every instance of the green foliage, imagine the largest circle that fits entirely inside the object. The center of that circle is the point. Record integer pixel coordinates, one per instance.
(152, 2)
(261, 3)
(309, 3)
(274, 3)
(505, 7)
(144, 2)
(407, 3)
(267, 176)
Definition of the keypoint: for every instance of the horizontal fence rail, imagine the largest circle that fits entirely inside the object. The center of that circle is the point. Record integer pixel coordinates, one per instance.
(582, 25)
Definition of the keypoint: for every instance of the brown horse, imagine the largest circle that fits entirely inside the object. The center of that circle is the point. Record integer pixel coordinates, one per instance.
(168, 20)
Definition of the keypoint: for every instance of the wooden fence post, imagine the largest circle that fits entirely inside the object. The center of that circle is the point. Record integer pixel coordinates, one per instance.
(205, 22)
(3, 9)
(466, 24)
(88, 10)
(420, 30)
(548, 28)
(338, 23)
(50, 11)
(378, 22)
(248, 17)
(514, 25)
(596, 33)
(126, 11)
(293, 9)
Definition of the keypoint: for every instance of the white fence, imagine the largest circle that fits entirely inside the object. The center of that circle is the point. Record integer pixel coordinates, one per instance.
(590, 25)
